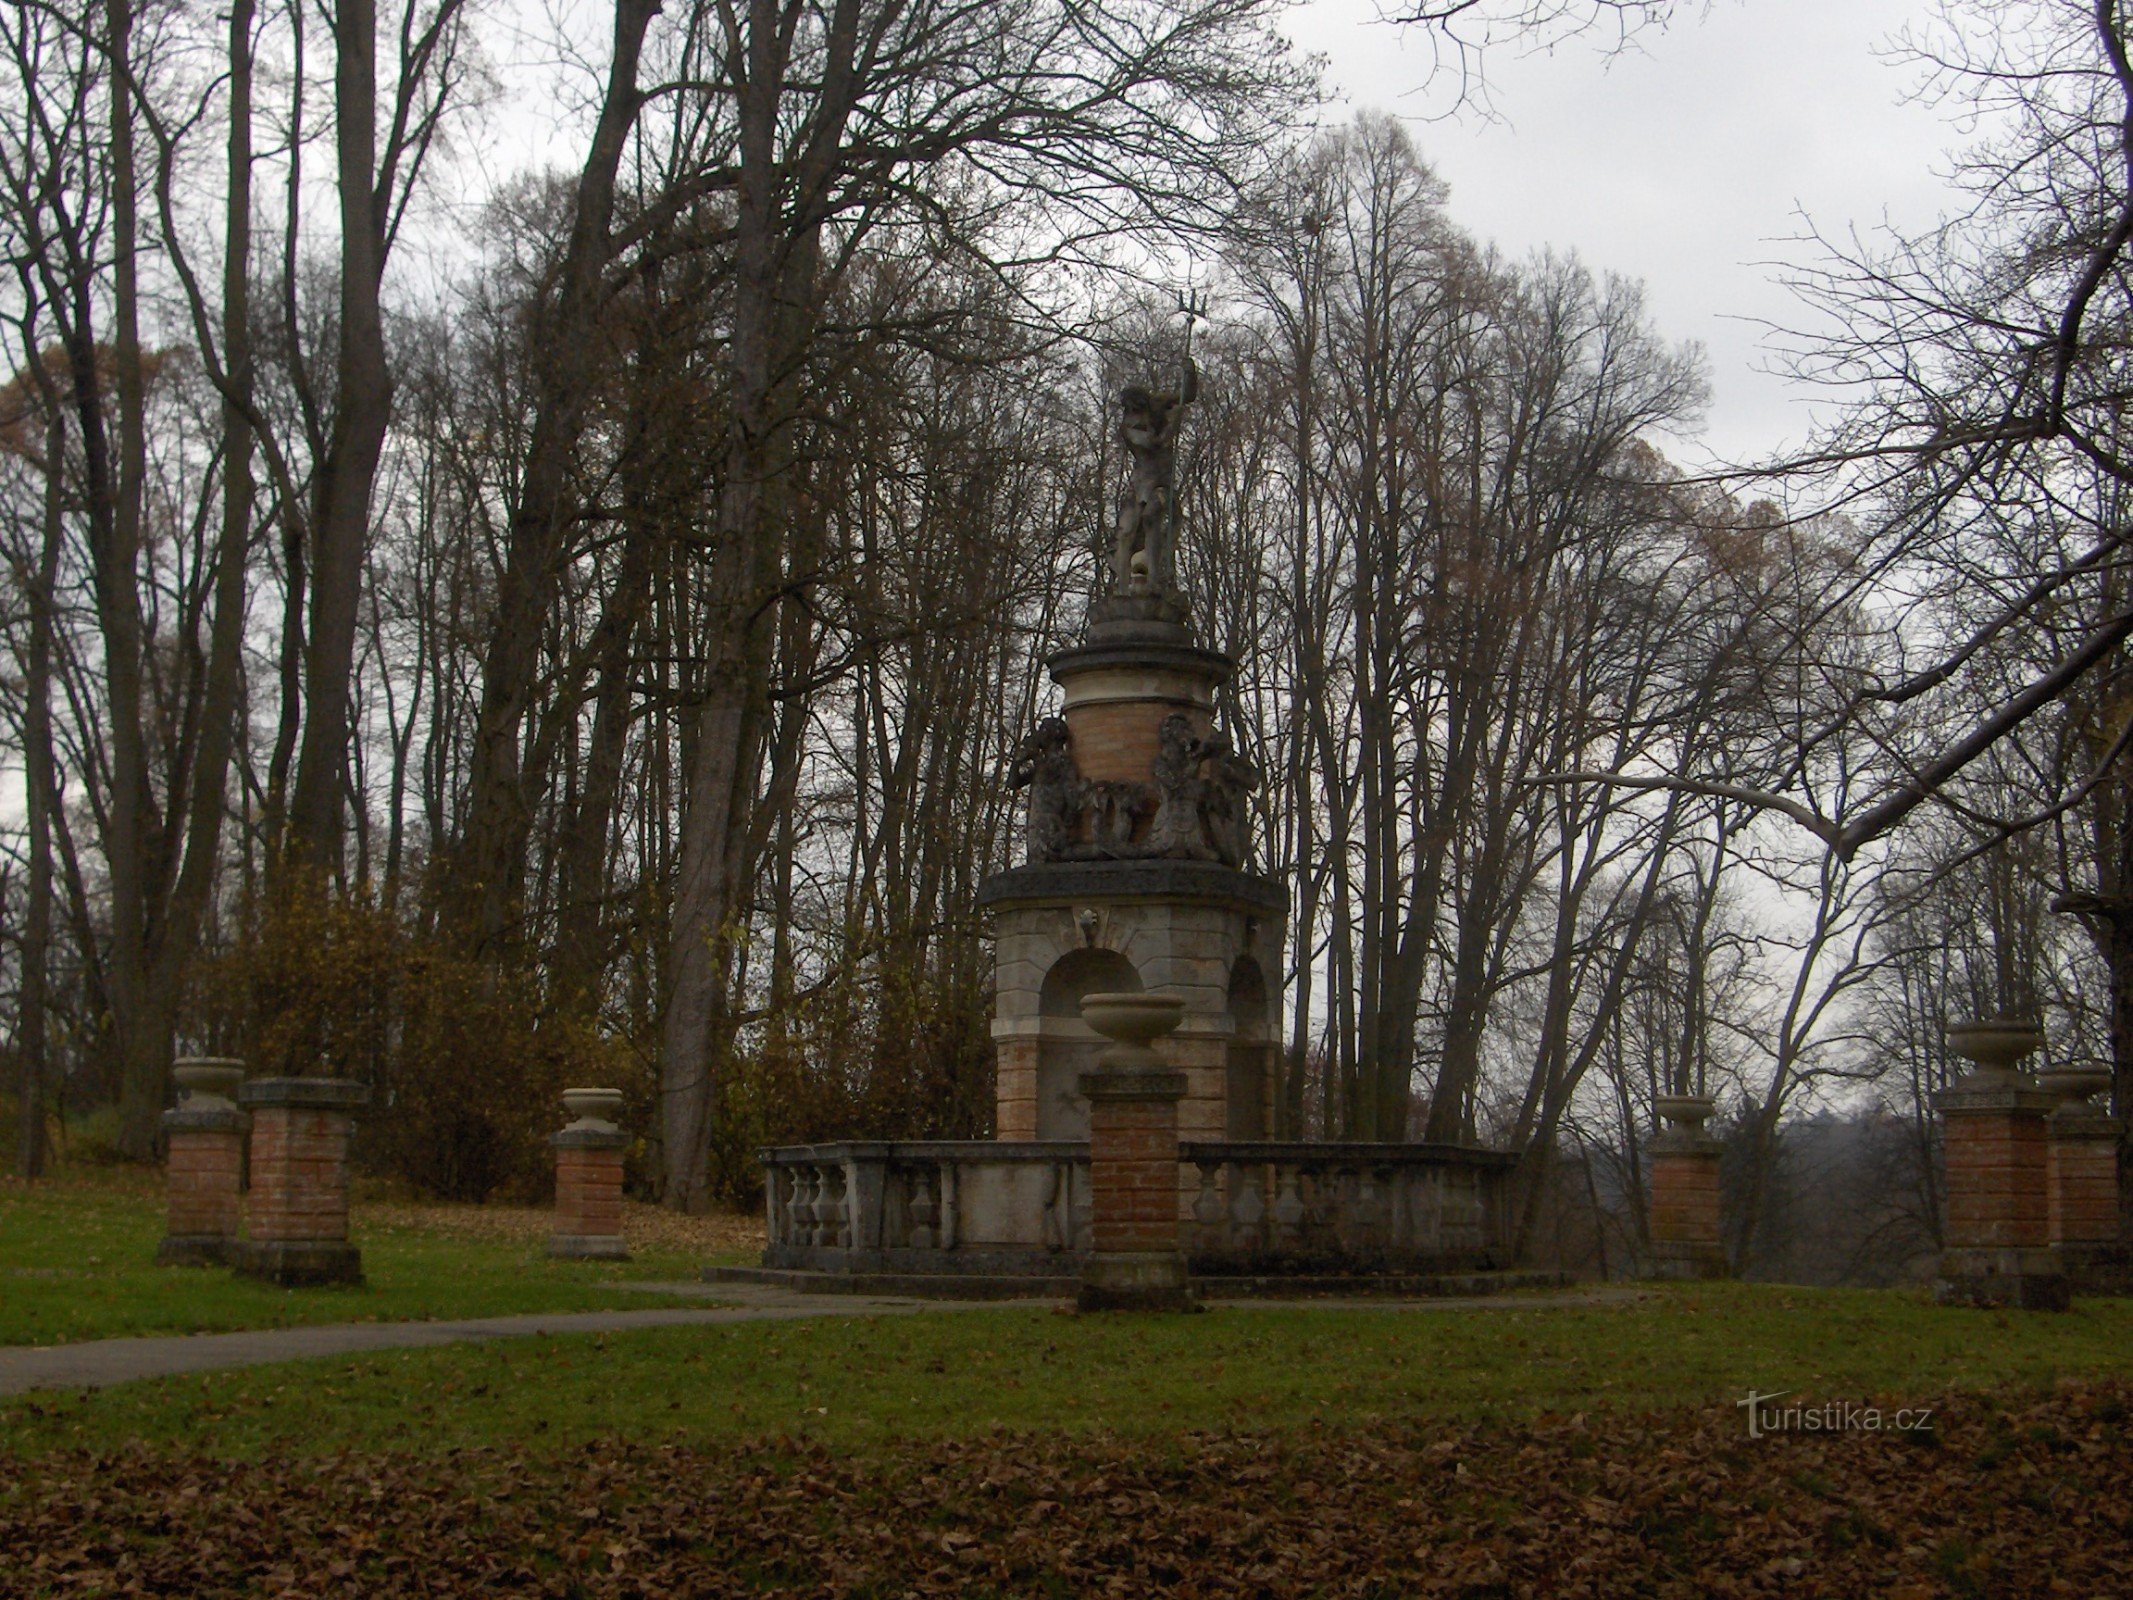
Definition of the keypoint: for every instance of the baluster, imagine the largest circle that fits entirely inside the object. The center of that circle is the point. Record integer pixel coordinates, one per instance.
(1320, 1189)
(799, 1209)
(842, 1203)
(924, 1209)
(1430, 1206)
(1055, 1225)
(1466, 1185)
(817, 1204)
(1366, 1212)
(1207, 1209)
(1398, 1195)
(1247, 1207)
(1288, 1208)
(951, 1208)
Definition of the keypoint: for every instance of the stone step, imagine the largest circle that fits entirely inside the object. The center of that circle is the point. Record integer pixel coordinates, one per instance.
(991, 1286)
(917, 1285)
(1399, 1285)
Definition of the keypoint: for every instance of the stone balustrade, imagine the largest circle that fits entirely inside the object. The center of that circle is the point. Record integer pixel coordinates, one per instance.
(988, 1207)
(928, 1206)
(1299, 1208)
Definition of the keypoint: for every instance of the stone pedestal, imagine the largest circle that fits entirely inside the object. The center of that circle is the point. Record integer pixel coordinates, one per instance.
(2081, 1187)
(1997, 1242)
(1208, 934)
(1134, 1263)
(297, 1229)
(1118, 688)
(205, 1167)
(1687, 1234)
(1135, 881)
(588, 1179)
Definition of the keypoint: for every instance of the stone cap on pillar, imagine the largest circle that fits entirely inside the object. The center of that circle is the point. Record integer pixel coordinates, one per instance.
(2085, 1122)
(306, 1094)
(205, 1119)
(1159, 1083)
(590, 1139)
(1987, 1091)
(1685, 1142)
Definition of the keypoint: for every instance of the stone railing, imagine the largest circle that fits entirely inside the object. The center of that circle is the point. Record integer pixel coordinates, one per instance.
(1000, 1207)
(1294, 1209)
(1012, 1207)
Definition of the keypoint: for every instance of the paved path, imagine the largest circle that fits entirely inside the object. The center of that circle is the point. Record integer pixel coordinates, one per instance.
(97, 1363)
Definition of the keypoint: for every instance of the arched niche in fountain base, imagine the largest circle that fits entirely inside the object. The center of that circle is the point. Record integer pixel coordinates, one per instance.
(1067, 1047)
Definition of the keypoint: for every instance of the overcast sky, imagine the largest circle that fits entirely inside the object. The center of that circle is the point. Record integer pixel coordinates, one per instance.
(1687, 163)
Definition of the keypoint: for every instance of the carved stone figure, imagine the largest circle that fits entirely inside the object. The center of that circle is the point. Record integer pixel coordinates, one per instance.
(1191, 814)
(1228, 813)
(1044, 765)
(1144, 557)
(1179, 831)
(1114, 810)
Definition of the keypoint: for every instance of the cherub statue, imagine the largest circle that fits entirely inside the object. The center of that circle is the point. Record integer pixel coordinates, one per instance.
(1144, 558)
(1179, 831)
(1044, 764)
(1232, 778)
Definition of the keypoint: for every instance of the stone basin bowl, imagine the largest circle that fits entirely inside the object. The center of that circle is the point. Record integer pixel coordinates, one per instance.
(2074, 1084)
(593, 1105)
(1996, 1044)
(1688, 1110)
(207, 1077)
(1132, 1019)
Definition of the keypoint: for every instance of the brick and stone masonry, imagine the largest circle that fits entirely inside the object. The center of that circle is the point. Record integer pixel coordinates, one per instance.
(588, 1178)
(205, 1167)
(2081, 1183)
(1686, 1222)
(1996, 1242)
(297, 1223)
(2081, 1173)
(1134, 1262)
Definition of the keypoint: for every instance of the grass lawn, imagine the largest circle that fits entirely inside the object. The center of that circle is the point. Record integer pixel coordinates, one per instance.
(77, 1261)
(874, 1384)
(1523, 1449)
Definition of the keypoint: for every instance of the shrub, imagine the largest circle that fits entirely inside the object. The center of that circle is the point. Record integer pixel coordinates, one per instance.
(465, 1059)
(893, 1053)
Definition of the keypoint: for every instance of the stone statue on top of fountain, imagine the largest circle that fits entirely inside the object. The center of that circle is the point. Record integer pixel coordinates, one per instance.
(1144, 553)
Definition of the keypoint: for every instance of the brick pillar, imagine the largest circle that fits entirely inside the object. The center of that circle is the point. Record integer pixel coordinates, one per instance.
(1687, 1241)
(1996, 1245)
(588, 1179)
(297, 1231)
(205, 1170)
(2081, 1195)
(1134, 1263)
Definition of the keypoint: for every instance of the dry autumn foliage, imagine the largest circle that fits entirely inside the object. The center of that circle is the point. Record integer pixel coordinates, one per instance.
(2004, 1496)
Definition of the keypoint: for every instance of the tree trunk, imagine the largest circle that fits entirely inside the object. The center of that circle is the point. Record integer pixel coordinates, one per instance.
(341, 494)
(117, 474)
(39, 773)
